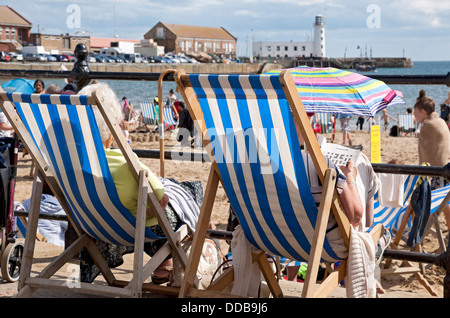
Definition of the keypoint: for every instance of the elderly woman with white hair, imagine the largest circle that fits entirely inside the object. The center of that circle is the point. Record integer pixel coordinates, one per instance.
(127, 189)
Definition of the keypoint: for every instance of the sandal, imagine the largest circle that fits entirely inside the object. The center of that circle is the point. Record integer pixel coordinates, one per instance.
(161, 279)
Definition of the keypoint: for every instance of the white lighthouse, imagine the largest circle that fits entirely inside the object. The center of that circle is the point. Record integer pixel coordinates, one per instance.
(319, 36)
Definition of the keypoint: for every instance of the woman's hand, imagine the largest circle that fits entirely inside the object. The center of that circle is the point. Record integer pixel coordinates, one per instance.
(350, 171)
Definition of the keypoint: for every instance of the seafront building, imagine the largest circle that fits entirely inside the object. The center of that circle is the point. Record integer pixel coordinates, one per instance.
(14, 29)
(277, 49)
(179, 38)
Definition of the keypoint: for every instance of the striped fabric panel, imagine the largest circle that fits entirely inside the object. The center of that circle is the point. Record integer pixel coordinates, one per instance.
(255, 145)
(69, 141)
(406, 123)
(48, 99)
(324, 120)
(148, 112)
(391, 217)
(168, 115)
(437, 196)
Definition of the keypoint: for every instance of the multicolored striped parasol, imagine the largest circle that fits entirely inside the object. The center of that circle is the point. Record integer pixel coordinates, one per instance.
(331, 90)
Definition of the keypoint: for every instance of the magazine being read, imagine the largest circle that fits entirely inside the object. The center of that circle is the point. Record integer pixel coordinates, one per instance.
(339, 154)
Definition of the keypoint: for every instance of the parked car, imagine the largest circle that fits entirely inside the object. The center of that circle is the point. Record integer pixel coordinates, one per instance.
(116, 58)
(50, 58)
(4, 56)
(162, 59)
(102, 58)
(32, 57)
(60, 57)
(15, 56)
(70, 58)
(174, 59)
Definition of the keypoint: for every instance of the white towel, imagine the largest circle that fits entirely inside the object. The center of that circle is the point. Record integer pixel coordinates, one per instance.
(182, 202)
(247, 276)
(360, 281)
(391, 193)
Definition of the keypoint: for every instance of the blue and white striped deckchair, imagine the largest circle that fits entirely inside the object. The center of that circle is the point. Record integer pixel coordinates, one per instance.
(61, 134)
(391, 217)
(248, 123)
(406, 124)
(324, 120)
(399, 221)
(439, 199)
(148, 112)
(169, 116)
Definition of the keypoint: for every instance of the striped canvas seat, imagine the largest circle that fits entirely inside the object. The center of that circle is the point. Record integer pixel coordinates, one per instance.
(256, 148)
(391, 217)
(399, 220)
(66, 133)
(169, 116)
(248, 124)
(406, 123)
(60, 133)
(325, 122)
(148, 112)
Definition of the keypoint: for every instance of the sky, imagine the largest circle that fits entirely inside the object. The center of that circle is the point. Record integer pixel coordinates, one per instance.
(418, 29)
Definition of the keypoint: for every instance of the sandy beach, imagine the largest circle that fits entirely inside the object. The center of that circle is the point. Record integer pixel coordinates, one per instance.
(398, 286)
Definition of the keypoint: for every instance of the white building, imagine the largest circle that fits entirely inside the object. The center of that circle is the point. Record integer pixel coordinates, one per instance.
(315, 48)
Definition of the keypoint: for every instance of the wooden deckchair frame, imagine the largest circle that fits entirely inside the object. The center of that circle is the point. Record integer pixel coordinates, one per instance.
(408, 267)
(329, 199)
(27, 284)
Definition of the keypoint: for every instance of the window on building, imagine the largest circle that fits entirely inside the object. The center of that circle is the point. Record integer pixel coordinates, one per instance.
(160, 33)
(269, 48)
(1, 32)
(66, 43)
(303, 48)
(295, 48)
(278, 47)
(7, 33)
(286, 48)
(13, 33)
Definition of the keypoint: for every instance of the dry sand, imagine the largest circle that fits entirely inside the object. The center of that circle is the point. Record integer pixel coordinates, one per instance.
(398, 286)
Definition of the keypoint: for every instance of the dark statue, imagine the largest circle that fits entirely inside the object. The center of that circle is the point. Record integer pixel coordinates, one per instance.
(81, 69)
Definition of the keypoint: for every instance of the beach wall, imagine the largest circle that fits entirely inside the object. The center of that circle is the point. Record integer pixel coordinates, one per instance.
(211, 68)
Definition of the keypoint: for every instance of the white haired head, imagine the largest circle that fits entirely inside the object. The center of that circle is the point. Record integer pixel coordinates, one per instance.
(111, 104)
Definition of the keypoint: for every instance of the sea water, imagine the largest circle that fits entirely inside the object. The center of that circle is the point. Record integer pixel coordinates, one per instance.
(136, 91)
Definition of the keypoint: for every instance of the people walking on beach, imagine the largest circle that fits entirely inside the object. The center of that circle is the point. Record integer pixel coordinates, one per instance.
(127, 109)
(360, 122)
(386, 117)
(434, 141)
(344, 119)
(172, 97)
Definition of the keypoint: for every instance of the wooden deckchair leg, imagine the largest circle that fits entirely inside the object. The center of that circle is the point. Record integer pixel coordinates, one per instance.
(319, 233)
(200, 233)
(140, 235)
(30, 237)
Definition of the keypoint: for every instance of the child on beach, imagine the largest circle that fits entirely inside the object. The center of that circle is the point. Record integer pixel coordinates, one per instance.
(386, 117)
(434, 141)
